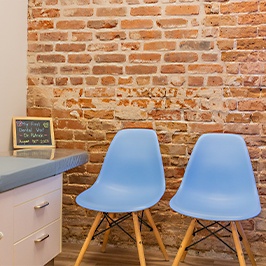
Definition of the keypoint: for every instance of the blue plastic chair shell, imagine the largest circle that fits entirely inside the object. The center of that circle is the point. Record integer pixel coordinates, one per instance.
(219, 183)
(132, 175)
(131, 180)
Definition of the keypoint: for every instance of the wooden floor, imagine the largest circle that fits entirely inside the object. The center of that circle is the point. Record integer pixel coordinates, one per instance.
(115, 256)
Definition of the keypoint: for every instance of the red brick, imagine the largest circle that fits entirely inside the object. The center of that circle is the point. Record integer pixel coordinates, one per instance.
(242, 92)
(137, 24)
(79, 58)
(146, 11)
(140, 69)
(132, 46)
(108, 81)
(78, 12)
(51, 58)
(159, 46)
(108, 36)
(204, 68)
(91, 80)
(238, 118)
(238, 32)
(218, 20)
(32, 36)
(181, 57)
(106, 47)
(34, 47)
(205, 128)
(145, 35)
(54, 36)
(45, 13)
(75, 70)
(114, 12)
(239, 128)
(102, 24)
(165, 115)
(251, 44)
(252, 68)
(182, 10)
(252, 105)
(144, 58)
(40, 25)
(252, 19)
(81, 36)
(182, 33)
(112, 69)
(225, 44)
(86, 103)
(215, 81)
(51, 2)
(162, 80)
(125, 80)
(76, 80)
(71, 24)
(109, 58)
(61, 81)
(141, 81)
(209, 57)
(239, 7)
(70, 47)
(172, 69)
(239, 56)
(196, 45)
(43, 70)
(71, 124)
(102, 114)
(195, 81)
(171, 23)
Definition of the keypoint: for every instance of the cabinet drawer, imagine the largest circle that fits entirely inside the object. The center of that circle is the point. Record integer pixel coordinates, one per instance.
(40, 247)
(34, 190)
(35, 214)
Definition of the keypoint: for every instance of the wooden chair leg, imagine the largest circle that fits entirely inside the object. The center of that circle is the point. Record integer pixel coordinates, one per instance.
(106, 234)
(88, 239)
(156, 233)
(185, 251)
(184, 244)
(239, 251)
(246, 243)
(138, 239)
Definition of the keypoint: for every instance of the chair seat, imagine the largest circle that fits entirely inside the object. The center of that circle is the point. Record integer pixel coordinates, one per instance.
(117, 200)
(216, 208)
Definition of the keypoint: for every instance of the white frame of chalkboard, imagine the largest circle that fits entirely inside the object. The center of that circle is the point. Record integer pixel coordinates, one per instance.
(29, 118)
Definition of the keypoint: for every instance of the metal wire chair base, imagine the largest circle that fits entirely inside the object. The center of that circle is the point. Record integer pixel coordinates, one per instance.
(116, 222)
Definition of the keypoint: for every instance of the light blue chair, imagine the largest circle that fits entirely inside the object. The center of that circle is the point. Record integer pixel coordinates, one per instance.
(218, 186)
(131, 181)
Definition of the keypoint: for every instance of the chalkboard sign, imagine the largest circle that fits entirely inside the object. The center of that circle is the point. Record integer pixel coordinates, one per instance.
(33, 132)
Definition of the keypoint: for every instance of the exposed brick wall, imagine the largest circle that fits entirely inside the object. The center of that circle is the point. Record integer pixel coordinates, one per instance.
(183, 68)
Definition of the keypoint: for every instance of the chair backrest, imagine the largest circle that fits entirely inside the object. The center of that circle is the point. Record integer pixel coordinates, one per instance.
(220, 166)
(133, 160)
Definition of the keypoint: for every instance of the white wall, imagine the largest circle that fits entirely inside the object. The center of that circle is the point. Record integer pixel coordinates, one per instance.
(13, 66)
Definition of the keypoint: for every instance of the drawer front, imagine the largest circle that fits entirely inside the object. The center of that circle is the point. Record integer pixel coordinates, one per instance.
(40, 247)
(34, 190)
(35, 214)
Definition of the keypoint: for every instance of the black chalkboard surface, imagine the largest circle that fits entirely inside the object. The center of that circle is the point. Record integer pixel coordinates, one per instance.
(33, 132)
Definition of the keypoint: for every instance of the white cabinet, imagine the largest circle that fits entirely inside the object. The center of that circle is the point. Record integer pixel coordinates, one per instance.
(6, 232)
(30, 223)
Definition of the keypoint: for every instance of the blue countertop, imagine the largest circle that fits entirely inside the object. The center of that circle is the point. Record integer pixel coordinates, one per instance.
(21, 167)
